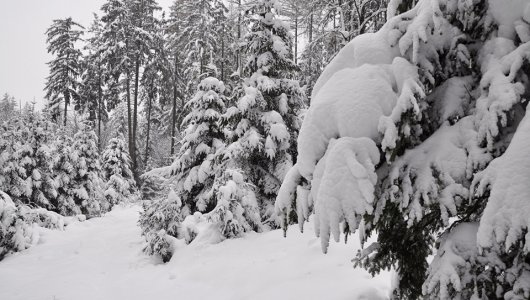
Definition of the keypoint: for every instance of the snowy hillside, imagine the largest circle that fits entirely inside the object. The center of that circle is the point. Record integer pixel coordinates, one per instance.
(102, 259)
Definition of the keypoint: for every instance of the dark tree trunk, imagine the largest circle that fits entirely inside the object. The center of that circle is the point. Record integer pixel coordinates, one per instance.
(129, 114)
(66, 100)
(223, 54)
(146, 156)
(296, 37)
(100, 94)
(239, 67)
(135, 115)
(174, 108)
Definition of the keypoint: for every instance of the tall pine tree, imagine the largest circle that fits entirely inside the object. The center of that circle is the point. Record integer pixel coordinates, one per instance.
(62, 83)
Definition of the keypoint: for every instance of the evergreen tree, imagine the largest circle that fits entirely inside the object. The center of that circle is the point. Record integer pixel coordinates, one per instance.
(410, 135)
(62, 85)
(13, 176)
(64, 172)
(115, 40)
(98, 86)
(195, 165)
(236, 210)
(28, 161)
(143, 36)
(174, 71)
(117, 172)
(267, 115)
(153, 92)
(8, 107)
(194, 170)
(86, 182)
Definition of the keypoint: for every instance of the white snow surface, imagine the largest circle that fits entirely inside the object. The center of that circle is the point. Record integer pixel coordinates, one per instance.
(102, 258)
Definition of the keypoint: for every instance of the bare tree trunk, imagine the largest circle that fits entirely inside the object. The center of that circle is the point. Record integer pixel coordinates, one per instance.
(310, 60)
(100, 92)
(223, 53)
(239, 68)
(146, 157)
(135, 115)
(129, 114)
(296, 36)
(174, 108)
(66, 99)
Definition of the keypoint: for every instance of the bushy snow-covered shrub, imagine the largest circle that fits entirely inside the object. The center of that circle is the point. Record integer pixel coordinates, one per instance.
(160, 223)
(18, 224)
(237, 209)
(15, 233)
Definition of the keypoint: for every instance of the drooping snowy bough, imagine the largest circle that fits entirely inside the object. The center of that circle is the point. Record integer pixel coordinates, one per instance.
(416, 130)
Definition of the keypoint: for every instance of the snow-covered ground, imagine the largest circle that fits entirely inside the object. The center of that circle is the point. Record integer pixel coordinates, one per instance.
(102, 259)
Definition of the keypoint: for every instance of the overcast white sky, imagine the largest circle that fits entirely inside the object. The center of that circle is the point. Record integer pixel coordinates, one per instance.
(23, 54)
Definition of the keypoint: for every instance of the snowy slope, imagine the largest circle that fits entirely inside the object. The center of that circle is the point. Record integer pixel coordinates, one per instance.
(102, 259)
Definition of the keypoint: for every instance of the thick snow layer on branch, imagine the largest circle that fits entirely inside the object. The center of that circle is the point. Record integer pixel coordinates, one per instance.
(434, 172)
(506, 13)
(343, 186)
(348, 105)
(368, 48)
(501, 61)
(451, 270)
(506, 216)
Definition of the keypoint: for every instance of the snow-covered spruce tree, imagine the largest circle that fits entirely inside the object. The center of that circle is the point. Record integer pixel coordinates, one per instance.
(115, 40)
(27, 162)
(195, 167)
(8, 107)
(64, 171)
(62, 85)
(236, 210)
(419, 129)
(266, 117)
(12, 176)
(117, 172)
(86, 183)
